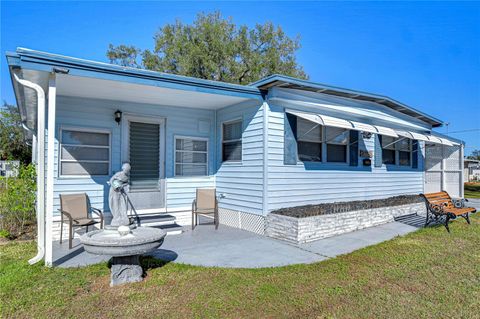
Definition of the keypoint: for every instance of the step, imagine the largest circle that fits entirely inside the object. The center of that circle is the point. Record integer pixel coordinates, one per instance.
(156, 219)
(171, 229)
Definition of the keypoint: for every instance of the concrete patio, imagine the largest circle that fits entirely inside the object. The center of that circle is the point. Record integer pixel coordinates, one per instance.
(235, 248)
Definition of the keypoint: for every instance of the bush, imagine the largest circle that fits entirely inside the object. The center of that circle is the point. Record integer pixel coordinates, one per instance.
(473, 187)
(17, 202)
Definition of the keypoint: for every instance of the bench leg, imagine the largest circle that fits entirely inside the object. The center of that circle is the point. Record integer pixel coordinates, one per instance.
(467, 218)
(427, 221)
(447, 219)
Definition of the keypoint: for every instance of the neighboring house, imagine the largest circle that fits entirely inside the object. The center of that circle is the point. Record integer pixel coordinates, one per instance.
(276, 143)
(472, 170)
(9, 168)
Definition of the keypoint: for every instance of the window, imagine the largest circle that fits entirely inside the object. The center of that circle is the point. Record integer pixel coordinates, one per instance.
(404, 151)
(232, 141)
(309, 140)
(391, 146)
(191, 156)
(84, 153)
(388, 150)
(337, 143)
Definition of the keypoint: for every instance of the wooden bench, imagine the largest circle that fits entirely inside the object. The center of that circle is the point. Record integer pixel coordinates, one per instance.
(441, 208)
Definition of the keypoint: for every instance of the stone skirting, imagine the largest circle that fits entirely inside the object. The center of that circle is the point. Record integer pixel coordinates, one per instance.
(302, 230)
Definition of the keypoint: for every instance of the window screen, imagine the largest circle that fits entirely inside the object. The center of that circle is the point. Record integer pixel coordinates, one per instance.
(309, 140)
(232, 141)
(337, 142)
(84, 153)
(190, 157)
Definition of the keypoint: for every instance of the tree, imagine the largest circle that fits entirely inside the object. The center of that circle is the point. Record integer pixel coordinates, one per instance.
(215, 48)
(12, 143)
(475, 155)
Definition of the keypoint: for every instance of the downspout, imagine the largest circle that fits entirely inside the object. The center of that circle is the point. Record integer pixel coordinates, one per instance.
(40, 168)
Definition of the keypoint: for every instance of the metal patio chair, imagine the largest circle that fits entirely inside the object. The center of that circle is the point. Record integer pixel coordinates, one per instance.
(205, 203)
(77, 210)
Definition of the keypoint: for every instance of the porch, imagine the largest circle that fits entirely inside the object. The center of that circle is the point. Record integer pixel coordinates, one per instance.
(235, 248)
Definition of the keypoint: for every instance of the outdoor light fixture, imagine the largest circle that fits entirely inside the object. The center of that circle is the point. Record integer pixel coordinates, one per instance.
(366, 135)
(118, 116)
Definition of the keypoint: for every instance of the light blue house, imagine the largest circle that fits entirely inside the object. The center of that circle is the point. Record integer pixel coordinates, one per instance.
(279, 142)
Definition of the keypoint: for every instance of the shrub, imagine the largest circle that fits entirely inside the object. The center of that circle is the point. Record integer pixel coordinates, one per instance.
(17, 201)
(473, 187)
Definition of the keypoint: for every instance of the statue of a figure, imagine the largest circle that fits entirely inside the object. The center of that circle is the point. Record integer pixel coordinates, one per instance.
(117, 198)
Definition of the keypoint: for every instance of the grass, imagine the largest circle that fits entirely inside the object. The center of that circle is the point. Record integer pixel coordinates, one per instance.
(426, 274)
(472, 190)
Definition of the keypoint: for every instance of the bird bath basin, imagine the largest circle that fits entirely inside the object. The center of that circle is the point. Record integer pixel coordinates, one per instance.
(125, 245)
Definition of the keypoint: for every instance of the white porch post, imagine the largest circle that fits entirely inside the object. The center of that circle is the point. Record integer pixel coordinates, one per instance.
(462, 173)
(52, 92)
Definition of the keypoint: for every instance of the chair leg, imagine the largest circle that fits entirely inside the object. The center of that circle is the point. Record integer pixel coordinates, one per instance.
(70, 236)
(61, 228)
(193, 220)
(216, 220)
(86, 230)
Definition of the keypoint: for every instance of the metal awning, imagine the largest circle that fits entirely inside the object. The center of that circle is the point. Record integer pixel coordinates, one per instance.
(427, 138)
(326, 120)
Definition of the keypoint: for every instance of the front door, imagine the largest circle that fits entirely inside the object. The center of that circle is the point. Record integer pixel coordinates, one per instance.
(144, 150)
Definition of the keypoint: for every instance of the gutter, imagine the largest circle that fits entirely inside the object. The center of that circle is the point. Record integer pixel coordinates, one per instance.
(40, 205)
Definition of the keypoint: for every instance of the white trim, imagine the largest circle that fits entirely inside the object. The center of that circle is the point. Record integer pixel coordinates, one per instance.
(85, 129)
(238, 119)
(266, 115)
(179, 137)
(52, 92)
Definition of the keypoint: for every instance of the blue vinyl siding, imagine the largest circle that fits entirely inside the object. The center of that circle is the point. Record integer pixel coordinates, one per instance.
(242, 183)
(302, 184)
(98, 114)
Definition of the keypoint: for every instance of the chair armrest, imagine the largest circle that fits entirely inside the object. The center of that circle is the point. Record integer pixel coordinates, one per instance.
(66, 214)
(99, 213)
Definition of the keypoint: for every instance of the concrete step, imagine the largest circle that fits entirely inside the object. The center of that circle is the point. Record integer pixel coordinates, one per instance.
(171, 229)
(163, 221)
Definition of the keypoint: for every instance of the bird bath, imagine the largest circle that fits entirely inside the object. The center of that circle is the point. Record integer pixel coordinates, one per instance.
(125, 245)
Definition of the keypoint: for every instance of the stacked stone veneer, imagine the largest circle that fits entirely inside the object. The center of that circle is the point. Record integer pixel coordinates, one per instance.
(302, 230)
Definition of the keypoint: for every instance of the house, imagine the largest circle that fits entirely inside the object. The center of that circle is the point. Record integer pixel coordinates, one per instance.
(279, 142)
(471, 170)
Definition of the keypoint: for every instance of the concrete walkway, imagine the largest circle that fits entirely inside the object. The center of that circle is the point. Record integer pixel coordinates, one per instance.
(235, 248)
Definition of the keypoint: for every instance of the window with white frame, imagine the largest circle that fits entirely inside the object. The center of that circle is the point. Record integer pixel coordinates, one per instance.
(396, 151)
(309, 140)
(337, 144)
(191, 156)
(232, 141)
(84, 152)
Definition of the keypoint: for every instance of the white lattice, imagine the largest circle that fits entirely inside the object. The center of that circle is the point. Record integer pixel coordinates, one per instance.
(433, 157)
(251, 222)
(452, 158)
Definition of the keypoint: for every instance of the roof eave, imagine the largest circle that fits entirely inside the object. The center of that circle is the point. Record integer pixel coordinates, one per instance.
(342, 92)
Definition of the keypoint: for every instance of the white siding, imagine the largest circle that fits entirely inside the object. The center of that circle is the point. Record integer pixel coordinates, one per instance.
(242, 183)
(294, 185)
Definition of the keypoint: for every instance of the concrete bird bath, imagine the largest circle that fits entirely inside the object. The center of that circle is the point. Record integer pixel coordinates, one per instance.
(125, 245)
(122, 240)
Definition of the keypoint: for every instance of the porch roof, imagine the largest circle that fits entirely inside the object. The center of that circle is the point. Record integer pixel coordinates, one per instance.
(90, 79)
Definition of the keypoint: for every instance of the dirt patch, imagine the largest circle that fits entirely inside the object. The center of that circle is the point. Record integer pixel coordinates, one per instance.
(343, 207)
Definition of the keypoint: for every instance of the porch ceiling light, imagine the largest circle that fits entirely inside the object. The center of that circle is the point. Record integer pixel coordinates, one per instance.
(118, 116)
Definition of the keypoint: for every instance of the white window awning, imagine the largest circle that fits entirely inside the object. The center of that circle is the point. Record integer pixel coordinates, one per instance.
(426, 138)
(326, 120)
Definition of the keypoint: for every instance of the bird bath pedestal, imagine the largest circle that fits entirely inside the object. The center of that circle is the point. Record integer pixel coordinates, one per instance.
(125, 245)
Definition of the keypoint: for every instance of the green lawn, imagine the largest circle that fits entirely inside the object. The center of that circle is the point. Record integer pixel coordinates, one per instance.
(426, 274)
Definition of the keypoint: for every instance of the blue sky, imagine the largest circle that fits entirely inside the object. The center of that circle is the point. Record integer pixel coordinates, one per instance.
(424, 54)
